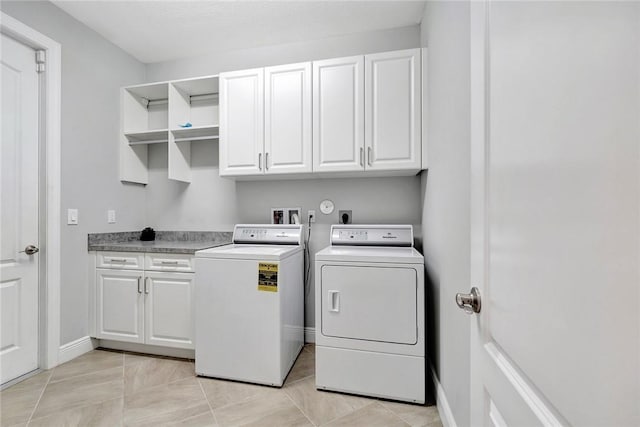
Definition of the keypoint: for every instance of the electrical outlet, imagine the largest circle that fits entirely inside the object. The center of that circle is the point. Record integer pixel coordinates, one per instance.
(345, 217)
(111, 216)
(72, 216)
(311, 216)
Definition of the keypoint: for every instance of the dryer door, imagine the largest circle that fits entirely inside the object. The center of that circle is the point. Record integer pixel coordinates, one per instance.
(370, 303)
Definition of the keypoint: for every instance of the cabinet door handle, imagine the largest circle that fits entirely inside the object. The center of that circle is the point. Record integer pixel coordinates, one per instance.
(361, 156)
(139, 288)
(169, 262)
(259, 161)
(266, 161)
(369, 156)
(116, 260)
(146, 285)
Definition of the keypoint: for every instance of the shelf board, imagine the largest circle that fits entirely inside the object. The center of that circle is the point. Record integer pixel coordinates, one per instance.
(195, 133)
(148, 136)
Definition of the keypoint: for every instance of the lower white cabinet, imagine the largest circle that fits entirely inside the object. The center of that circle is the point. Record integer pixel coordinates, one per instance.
(168, 309)
(120, 308)
(146, 307)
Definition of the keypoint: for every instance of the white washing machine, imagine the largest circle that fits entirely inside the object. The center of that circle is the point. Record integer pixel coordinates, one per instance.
(250, 305)
(370, 322)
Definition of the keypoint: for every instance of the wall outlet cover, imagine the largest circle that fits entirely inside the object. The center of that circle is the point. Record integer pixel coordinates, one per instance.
(111, 216)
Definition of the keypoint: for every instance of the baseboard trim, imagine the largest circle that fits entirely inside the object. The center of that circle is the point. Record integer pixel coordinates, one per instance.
(73, 349)
(310, 334)
(181, 353)
(444, 410)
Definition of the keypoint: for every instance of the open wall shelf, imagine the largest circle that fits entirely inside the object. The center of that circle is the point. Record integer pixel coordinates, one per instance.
(154, 113)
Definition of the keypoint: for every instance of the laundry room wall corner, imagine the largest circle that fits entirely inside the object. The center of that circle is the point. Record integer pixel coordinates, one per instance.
(446, 209)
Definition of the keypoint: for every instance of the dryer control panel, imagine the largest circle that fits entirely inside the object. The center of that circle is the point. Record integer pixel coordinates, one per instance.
(372, 235)
(268, 234)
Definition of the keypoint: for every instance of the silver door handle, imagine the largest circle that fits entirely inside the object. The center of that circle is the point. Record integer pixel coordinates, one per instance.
(116, 260)
(470, 303)
(30, 250)
(369, 156)
(361, 156)
(259, 161)
(266, 161)
(146, 285)
(139, 288)
(169, 262)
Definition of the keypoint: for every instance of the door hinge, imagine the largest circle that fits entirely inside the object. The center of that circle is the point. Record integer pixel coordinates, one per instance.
(40, 60)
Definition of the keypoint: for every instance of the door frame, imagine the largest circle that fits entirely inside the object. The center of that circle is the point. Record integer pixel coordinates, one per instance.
(49, 187)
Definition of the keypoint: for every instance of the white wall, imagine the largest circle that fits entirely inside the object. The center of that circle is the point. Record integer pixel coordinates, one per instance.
(93, 70)
(214, 203)
(446, 192)
(331, 47)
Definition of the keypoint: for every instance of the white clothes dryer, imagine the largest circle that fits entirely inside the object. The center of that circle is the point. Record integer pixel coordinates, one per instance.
(250, 305)
(370, 318)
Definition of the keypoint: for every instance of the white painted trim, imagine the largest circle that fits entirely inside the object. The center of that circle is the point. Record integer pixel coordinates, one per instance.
(309, 335)
(444, 410)
(76, 348)
(50, 249)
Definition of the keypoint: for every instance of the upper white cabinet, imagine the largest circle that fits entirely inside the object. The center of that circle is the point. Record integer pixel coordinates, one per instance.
(287, 119)
(338, 114)
(241, 122)
(349, 115)
(393, 110)
(265, 121)
(174, 113)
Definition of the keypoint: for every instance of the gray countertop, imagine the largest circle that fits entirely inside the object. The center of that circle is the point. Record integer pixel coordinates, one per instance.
(177, 242)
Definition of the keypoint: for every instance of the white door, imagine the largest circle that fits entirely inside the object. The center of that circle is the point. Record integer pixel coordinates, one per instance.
(169, 311)
(338, 114)
(120, 302)
(18, 211)
(555, 213)
(242, 122)
(393, 110)
(287, 113)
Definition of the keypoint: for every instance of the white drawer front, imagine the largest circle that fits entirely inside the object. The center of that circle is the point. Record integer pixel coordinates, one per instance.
(169, 262)
(120, 260)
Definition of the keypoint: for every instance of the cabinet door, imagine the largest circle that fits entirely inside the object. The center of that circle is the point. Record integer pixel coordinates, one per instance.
(338, 114)
(287, 113)
(169, 309)
(120, 305)
(241, 122)
(393, 110)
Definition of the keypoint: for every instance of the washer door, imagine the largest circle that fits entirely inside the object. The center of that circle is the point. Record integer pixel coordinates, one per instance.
(370, 303)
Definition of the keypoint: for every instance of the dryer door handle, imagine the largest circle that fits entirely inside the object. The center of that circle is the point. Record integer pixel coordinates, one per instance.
(334, 301)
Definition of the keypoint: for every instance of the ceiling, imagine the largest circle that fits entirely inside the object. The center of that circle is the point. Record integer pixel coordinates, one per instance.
(156, 31)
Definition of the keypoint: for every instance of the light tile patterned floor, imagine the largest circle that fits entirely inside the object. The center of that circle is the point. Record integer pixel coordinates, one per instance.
(110, 388)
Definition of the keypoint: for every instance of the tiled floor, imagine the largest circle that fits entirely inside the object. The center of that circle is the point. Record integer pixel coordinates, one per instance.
(109, 388)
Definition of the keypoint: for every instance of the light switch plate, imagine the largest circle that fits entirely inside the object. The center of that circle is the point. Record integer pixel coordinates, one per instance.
(111, 216)
(72, 216)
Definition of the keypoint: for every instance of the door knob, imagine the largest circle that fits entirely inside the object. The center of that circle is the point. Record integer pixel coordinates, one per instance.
(471, 302)
(30, 250)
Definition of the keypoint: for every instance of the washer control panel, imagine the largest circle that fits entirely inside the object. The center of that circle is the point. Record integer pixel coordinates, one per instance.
(266, 234)
(372, 235)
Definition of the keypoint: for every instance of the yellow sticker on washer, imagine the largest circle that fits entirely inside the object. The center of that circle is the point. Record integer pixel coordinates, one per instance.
(268, 277)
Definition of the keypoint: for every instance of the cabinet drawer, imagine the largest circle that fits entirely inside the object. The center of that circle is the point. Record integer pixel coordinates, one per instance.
(120, 260)
(169, 262)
